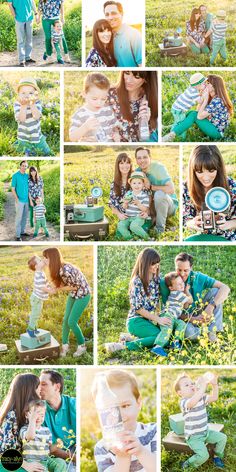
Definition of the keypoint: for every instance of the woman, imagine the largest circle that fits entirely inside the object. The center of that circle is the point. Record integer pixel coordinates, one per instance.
(213, 115)
(142, 319)
(207, 170)
(102, 52)
(36, 185)
(139, 90)
(195, 31)
(120, 185)
(51, 10)
(23, 389)
(69, 278)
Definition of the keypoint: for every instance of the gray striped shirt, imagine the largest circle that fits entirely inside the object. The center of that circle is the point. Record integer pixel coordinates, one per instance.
(30, 129)
(132, 209)
(37, 449)
(175, 303)
(56, 37)
(39, 211)
(40, 282)
(218, 31)
(186, 100)
(195, 419)
(106, 118)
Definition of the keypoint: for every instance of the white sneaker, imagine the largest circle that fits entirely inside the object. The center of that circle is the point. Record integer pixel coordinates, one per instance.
(64, 350)
(3, 347)
(51, 59)
(80, 350)
(67, 58)
(125, 337)
(168, 137)
(113, 347)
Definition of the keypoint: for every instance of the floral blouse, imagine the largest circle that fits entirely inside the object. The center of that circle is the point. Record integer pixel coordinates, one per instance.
(116, 200)
(9, 433)
(71, 276)
(94, 59)
(198, 33)
(219, 114)
(139, 299)
(189, 211)
(36, 189)
(50, 9)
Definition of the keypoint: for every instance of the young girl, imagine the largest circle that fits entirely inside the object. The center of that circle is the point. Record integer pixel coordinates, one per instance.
(69, 278)
(142, 319)
(207, 170)
(102, 52)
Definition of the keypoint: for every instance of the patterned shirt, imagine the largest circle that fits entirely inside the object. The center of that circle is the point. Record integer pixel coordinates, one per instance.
(146, 433)
(190, 211)
(218, 31)
(36, 188)
(39, 211)
(175, 303)
(116, 200)
(133, 210)
(195, 418)
(219, 114)
(94, 59)
(9, 432)
(30, 129)
(37, 449)
(198, 33)
(106, 118)
(139, 299)
(40, 282)
(50, 9)
(186, 100)
(74, 278)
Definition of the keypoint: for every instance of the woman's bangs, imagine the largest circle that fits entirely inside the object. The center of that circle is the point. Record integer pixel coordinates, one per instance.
(204, 162)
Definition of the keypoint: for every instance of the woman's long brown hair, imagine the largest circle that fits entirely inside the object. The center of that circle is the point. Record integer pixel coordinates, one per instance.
(193, 22)
(107, 56)
(145, 259)
(209, 158)
(22, 390)
(150, 89)
(220, 90)
(55, 263)
(122, 157)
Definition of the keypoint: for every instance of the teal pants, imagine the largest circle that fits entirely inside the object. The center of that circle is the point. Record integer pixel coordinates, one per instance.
(197, 50)
(40, 223)
(31, 211)
(204, 125)
(206, 237)
(74, 309)
(218, 47)
(178, 116)
(143, 329)
(198, 444)
(47, 25)
(57, 46)
(34, 149)
(132, 225)
(175, 330)
(36, 310)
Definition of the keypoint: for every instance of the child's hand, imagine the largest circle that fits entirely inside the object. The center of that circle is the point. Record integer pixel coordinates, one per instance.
(37, 18)
(23, 100)
(32, 415)
(131, 444)
(92, 124)
(125, 204)
(136, 202)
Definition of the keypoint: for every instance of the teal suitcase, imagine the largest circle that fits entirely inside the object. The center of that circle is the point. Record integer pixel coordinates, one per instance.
(44, 337)
(83, 213)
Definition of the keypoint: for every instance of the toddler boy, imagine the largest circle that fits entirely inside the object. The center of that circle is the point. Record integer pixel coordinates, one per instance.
(218, 31)
(59, 42)
(39, 217)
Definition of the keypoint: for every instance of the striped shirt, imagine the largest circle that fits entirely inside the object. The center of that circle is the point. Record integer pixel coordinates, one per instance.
(195, 418)
(40, 281)
(175, 303)
(218, 31)
(39, 211)
(37, 449)
(56, 37)
(187, 99)
(106, 118)
(146, 433)
(30, 129)
(132, 209)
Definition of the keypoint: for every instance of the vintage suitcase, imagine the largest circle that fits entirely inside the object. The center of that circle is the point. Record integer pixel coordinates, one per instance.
(44, 337)
(174, 51)
(85, 231)
(173, 442)
(37, 356)
(83, 213)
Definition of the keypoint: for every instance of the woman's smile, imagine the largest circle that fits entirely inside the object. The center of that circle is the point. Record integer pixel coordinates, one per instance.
(206, 177)
(105, 36)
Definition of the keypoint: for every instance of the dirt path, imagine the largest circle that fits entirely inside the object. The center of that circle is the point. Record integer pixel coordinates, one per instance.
(10, 59)
(7, 225)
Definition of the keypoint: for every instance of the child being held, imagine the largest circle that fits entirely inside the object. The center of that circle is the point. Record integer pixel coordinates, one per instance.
(37, 439)
(218, 30)
(197, 433)
(39, 211)
(28, 114)
(178, 299)
(41, 291)
(134, 446)
(136, 205)
(59, 42)
(95, 121)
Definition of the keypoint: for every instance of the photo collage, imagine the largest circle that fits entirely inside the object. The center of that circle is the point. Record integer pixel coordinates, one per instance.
(117, 235)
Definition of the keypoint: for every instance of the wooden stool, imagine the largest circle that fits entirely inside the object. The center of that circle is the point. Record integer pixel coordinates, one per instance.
(174, 51)
(172, 442)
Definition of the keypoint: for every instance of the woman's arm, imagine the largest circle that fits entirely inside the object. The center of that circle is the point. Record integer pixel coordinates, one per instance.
(62, 13)
(202, 113)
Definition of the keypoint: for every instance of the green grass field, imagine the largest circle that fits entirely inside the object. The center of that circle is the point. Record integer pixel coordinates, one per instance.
(95, 167)
(165, 16)
(115, 265)
(16, 287)
(90, 429)
(221, 411)
(174, 83)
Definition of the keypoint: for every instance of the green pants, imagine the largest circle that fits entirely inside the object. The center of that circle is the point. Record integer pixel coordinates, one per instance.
(40, 223)
(47, 25)
(36, 310)
(176, 329)
(198, 444)
(197, 50)
(143, 329)
(132, 225)
(57, 46)
(178, 116)
(204, 125)
(218, 47)
(74, 309)
(206, 237)
(34, 149)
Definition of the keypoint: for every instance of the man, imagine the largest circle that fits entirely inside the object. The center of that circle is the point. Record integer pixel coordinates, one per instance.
(211, 303)
(60, 415)
(20, 191)
(127, 40)
(22, 11)
(159, 181)
(207, 17)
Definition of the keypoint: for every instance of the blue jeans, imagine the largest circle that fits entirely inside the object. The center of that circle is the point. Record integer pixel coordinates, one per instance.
(24, 34)
(164, 207)
(193, 332)
(22, 210)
